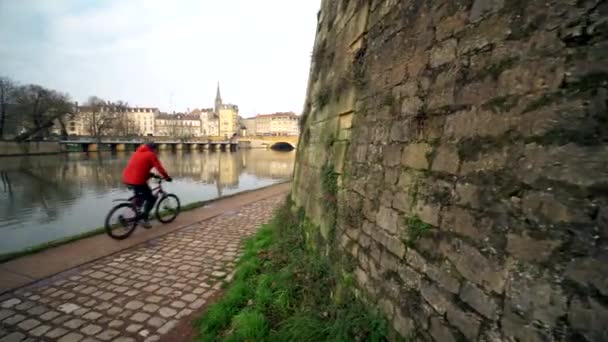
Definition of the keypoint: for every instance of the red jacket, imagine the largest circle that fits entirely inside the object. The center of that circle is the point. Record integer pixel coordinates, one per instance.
(138, 169)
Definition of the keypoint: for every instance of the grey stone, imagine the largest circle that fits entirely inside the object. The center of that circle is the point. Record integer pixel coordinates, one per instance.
(178, 304)
(167, 312)
(29, 324)
(197, 304)
(134, 305)
(6, 313)
(91, 329)
(467, 322)
(443, 53)
(150, 307)
(107, 335)
(124, 339)
(74, 323)
(71, 337)
(40, 330)
(183, 313)
(92, 315)
(68, 308)
(189, 297)
(14, 319)
(140, 317)
(156, 322)
(132, 328)
(9, 303)
(166, 327)
(13, 337)
(55, 333)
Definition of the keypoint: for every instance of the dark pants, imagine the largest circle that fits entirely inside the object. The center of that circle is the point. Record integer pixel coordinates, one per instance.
(144, 192)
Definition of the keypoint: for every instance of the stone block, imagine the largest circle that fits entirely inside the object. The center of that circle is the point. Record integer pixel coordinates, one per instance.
(467, 322)
(444, 52)
(468, 194)
(462, 222)
(545, 206)
(390, 242)
(437, 299)
(474, 266)
(525, 248)
(411, 106)
(403, 325)
(428, 213)
(391, 155)
(478, 300)
(536, 298)
(475, 122)
(441, 331)
(388, 219)
(589, 272)
(451, 25)
(446, 160)
(578, 165)
(484, 7)
(589, 319)
(416, 156)
(488, 161)
(403, 201)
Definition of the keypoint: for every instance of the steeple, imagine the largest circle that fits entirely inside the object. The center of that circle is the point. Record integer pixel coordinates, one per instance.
(218, 99)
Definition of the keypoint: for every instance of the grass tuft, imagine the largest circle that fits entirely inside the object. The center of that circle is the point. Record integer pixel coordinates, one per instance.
(282, 292)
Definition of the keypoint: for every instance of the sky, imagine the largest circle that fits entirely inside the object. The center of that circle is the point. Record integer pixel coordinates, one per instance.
(161, 53)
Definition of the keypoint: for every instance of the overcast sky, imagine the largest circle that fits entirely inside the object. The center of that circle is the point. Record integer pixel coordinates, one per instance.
(163, 53)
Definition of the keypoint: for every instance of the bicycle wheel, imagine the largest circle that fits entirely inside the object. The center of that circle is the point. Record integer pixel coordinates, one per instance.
(121, 221)
(168, 208)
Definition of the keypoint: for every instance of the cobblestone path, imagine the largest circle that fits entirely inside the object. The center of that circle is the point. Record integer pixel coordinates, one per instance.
(138, 294)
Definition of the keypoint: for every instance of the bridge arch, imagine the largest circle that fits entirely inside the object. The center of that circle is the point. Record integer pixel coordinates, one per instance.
(282, 146)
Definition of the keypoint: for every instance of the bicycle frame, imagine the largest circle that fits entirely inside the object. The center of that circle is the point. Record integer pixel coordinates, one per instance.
(157, 192)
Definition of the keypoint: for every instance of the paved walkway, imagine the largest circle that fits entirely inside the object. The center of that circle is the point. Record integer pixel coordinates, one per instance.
(138, 294)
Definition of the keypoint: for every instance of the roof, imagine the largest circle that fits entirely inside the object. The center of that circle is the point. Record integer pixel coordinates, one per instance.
(278, 114)
(178, 116)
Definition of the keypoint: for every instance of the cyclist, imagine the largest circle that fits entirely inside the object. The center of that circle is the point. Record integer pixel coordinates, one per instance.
(137, 173)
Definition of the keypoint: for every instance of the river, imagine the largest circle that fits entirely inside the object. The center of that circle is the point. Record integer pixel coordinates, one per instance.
(45, 198)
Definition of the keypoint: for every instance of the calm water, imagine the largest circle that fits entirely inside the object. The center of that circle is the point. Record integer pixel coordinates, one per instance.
(44, 198)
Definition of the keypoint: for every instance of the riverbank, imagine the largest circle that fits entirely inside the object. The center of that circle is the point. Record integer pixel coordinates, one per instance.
(30, 148)
(47, 259)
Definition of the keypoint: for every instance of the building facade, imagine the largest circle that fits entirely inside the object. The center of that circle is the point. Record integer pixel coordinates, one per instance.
(250, 126)
(178, 126)
(277, 124)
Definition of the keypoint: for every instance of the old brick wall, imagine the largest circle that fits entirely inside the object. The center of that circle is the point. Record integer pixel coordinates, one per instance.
(470, 140)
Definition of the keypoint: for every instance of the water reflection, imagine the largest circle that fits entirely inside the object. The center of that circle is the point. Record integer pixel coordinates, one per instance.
(43, 198)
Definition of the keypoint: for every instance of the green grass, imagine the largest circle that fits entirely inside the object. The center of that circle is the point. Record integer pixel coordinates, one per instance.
(100, 230)
(282, 291)
(416, 228)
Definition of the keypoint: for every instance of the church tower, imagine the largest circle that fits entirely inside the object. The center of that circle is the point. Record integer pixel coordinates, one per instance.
(218, 99)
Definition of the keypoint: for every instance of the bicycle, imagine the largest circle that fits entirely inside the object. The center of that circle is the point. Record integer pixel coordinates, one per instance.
(167, 209)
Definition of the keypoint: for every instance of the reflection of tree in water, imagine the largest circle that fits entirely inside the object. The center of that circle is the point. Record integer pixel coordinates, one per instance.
(33, 183)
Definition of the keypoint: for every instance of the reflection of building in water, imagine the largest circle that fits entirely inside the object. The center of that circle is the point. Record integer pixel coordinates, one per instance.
(269, 164)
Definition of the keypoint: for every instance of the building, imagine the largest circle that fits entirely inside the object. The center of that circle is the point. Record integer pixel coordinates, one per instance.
(228, 116)
(178, 126)
(143, 119)
(277, 124)
(250, 126)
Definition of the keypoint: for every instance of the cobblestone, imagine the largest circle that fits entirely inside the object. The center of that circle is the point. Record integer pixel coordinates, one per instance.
(138, 294)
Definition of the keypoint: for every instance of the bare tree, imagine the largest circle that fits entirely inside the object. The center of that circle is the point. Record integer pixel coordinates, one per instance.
(39, 109)
(7, 92)
(103, 117)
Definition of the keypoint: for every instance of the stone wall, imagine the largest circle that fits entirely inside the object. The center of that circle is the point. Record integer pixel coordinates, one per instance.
(469, 140)
(10, 148)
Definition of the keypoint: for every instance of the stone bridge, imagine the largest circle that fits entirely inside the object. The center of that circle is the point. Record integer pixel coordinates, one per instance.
(287, 142)
(87, 144)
